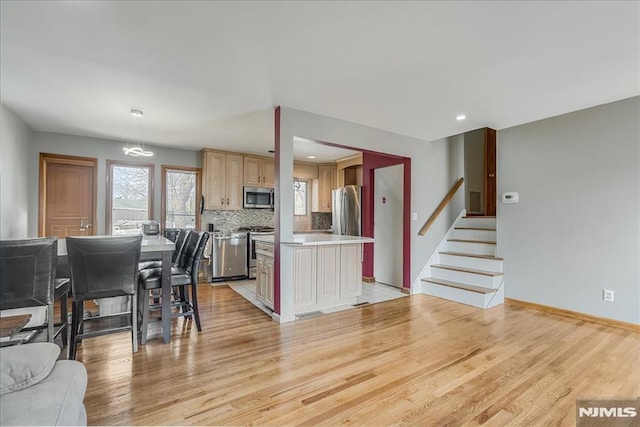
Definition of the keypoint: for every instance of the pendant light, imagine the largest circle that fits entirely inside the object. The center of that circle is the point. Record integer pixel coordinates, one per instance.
(137, 150)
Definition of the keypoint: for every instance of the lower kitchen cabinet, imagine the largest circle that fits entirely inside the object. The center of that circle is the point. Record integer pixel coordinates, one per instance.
(304, 279)
(350, 271)
(268, 292)
(326, 276)
(264, 274)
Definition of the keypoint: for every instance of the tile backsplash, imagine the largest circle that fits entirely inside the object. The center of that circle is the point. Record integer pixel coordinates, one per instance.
(320, 221)
(231, 220)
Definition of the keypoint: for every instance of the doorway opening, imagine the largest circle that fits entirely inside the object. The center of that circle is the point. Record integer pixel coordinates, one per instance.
(480, 172)
(387, 225)
(372, 161)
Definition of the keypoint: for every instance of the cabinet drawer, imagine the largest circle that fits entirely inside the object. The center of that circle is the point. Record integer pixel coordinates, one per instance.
(264, 249)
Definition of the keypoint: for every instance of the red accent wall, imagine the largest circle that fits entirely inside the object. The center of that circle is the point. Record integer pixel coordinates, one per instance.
(371, 161)
(276, 217)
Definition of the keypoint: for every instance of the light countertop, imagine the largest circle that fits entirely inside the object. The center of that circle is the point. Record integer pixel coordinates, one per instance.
(314, 239)
(149, 244)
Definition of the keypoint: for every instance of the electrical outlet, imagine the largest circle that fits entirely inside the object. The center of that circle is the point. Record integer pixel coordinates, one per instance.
(607, 295)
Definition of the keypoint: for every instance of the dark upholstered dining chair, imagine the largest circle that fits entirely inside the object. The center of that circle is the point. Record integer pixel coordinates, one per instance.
(177, 252)
(102, 267)
(27, 277)
(183, 275)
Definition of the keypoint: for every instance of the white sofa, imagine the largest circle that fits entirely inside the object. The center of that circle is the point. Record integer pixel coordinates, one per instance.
(38, 389)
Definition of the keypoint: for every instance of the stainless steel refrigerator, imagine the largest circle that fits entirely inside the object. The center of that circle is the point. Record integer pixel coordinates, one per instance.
(347, 210)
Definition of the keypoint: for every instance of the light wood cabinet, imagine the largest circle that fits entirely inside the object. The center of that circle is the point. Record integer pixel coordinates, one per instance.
(328, 274)
(259, 172)
(305, 170)
(350, 271)
(264, 274)
(304, 296)
(322, 187)
(269, 288)
(261, 279)
(222, 180)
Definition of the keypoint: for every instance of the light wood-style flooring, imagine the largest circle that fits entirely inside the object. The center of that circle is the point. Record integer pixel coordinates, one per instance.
(417, 361)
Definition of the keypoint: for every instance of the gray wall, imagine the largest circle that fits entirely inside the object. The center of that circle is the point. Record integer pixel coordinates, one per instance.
(15, 143)
(576, 229)
(102, 149)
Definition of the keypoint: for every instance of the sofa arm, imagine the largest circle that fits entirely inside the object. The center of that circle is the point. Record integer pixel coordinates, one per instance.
(55, 399)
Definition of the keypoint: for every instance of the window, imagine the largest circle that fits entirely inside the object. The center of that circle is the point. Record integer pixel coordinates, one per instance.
(181, 197)
(300, 197)
(130, 197)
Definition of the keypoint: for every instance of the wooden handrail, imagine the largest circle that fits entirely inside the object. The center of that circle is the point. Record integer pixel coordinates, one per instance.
(443, 204)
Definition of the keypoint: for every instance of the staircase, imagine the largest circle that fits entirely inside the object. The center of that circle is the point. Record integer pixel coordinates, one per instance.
(467, 269)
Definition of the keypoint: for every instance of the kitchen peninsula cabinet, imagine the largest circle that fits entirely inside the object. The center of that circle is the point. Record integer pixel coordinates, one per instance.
(327, 270)
(259, 172)
(222, 180)
(326, 275)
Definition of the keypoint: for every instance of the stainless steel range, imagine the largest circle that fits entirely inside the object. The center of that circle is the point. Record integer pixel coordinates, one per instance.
(251, 246)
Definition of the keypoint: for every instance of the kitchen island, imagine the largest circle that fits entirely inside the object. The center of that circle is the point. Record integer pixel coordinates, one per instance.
(327, 270)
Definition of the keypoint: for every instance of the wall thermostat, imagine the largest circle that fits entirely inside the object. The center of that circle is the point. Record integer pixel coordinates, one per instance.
(510, 197)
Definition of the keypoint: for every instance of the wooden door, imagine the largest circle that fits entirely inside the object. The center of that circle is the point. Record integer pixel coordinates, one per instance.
(67, 196)
(490, 172)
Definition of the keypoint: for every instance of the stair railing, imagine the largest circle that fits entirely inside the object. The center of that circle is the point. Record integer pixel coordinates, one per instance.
(443, 204)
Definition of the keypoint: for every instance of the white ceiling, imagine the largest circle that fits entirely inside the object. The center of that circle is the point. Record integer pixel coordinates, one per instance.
(207, 74)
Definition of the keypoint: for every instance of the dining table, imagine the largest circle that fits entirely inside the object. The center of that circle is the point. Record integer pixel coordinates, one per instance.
(10, 325)
(153, 247)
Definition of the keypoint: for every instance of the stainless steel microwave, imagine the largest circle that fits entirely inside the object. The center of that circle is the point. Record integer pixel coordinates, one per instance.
(258, 198)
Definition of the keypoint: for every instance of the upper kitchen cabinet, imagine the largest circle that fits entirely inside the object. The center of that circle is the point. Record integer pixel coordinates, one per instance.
(304, 170)
(350, 170)
(322, 187)
(259, 172)
(222, 180)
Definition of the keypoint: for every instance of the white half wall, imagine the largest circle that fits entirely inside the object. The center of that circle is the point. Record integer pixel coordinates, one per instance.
(103, 150)
(435, 168)
(576, 229)
(15, 145)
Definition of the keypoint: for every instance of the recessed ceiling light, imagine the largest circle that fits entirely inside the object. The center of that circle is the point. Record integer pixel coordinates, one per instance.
(460, 117)
(137, 113)
(311, 157)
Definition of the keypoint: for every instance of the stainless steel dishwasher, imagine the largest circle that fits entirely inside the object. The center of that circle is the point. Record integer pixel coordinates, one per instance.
(228, 256)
